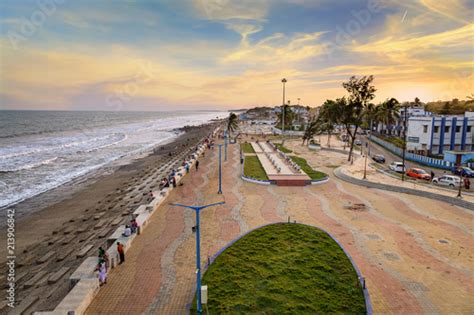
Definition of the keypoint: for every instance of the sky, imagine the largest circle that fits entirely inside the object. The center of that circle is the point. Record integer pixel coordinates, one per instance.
(228, 54)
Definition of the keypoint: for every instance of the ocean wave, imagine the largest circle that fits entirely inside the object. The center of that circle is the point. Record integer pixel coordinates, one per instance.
(62, 146)
(27, 166)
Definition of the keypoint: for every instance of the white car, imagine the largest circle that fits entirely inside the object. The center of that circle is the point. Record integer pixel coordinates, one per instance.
(397, 167)
(357, 142)
(447, 180)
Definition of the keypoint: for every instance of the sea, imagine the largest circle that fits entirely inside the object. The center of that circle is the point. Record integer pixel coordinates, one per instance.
(41, 150)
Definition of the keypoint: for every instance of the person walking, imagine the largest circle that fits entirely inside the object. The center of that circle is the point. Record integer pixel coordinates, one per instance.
(102, 273)
(432, 175)
(467, 183)
(197, 165)
(121, 252)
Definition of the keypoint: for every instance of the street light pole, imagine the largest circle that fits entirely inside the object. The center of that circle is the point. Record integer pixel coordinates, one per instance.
(365, 164)
(197, 209)
(283, 110)
(225, 145)
(404, 140)
(220, 170)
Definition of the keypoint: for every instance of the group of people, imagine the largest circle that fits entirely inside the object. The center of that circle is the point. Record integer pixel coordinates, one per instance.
(130, 229)
(102, 266)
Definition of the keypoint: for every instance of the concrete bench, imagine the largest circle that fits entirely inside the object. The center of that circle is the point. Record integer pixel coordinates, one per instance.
(86, 270)
(68, 230)
(35, 279)
(58, 275)
(77, 300)
(84, 251)
(45, 257)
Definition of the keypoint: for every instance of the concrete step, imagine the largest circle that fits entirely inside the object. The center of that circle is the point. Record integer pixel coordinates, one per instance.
(84, 251)
(62, 255)
(58, 275)
(35, 279)
(46, 257)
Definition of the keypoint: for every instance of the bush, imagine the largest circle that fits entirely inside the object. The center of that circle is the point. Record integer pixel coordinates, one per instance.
(314, 175)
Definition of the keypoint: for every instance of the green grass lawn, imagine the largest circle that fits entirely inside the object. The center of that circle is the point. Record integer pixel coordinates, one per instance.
(247, 148)
(307, 169)
(283, 269)
(254, 169)
(282, 148)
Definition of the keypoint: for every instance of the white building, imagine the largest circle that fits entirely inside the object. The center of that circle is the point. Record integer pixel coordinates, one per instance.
(435, 134)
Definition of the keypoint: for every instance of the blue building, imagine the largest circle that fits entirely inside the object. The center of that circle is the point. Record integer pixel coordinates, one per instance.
(436, 134)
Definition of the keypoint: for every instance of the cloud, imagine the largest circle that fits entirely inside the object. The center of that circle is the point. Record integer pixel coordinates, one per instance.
(223, 10)
(455, 38)
(278, 49)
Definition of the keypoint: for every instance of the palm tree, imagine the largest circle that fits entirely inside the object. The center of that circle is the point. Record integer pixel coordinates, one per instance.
(311, 129)
(232, 123)
(289, 117)
(389, 112)
(329, 115)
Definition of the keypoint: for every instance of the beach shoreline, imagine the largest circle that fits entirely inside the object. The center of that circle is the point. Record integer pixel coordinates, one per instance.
(61, 206)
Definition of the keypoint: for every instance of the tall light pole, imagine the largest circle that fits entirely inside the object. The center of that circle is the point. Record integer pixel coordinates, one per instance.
(283, 109)
(404, 140)
(365, 163)
(198, 249)
(225, 145)
(220, 169)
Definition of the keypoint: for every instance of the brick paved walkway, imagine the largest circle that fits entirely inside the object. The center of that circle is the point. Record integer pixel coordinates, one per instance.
(415, 253)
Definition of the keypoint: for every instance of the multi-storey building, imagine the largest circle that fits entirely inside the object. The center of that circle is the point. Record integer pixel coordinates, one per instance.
(436, 134)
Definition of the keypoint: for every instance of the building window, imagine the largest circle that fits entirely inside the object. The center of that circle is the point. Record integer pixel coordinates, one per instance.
(425, 128)
(468, 128)
(458, 128)
(446, 129)
(436, 129)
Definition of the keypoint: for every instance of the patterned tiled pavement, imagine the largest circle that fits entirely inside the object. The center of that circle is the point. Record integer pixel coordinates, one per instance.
(416, 254)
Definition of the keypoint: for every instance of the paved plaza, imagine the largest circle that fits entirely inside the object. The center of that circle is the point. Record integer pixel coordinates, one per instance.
(416, 254)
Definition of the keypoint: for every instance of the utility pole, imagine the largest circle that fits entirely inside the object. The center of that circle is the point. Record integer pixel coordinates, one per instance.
(404, 139)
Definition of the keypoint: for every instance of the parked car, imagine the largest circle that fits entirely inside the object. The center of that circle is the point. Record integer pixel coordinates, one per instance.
(418, 173)
(447, 180)
(397, 167)
(357, 142)
(379, 158)
(463, 171)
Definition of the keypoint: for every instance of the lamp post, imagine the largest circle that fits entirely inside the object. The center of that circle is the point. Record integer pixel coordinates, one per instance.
(404, 140)
(225, 145)
(220, 170)
(365, 164)
(283, 109)
(198, 249)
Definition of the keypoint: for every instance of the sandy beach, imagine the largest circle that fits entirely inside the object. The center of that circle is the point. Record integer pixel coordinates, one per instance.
(74, 210)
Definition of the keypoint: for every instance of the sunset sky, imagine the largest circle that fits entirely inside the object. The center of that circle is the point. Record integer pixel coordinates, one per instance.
(222, 54)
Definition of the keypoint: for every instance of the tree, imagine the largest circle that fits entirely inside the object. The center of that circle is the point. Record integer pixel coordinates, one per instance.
(232, 123)
(289, 117)
(389, 112)
(328, 116)
(361, 92)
